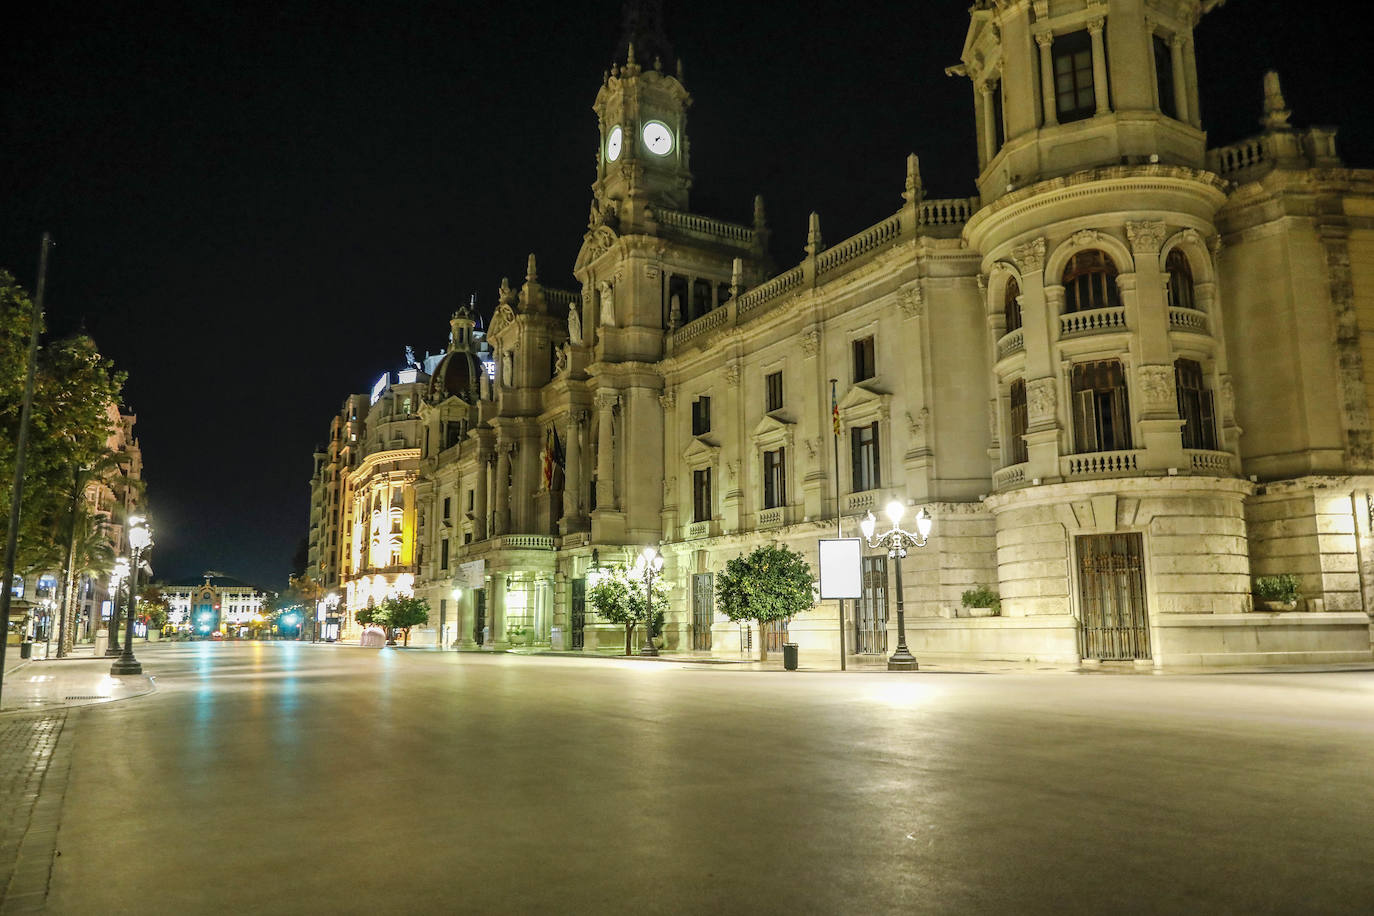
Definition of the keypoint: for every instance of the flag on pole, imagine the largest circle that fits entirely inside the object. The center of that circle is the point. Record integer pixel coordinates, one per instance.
(548, 458)
(834, 412)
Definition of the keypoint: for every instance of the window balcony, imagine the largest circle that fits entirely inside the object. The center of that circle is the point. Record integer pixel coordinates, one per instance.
(1013, 342)
(863, 501)
(775, 517)
(526, 542)
(1009, 477)
(1217, 464)
(1100, 464)
(1183, 319)
(1092, 321)
(696, 530)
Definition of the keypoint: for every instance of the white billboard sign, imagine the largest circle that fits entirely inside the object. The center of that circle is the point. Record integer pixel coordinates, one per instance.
(473, 573)
(840, 562)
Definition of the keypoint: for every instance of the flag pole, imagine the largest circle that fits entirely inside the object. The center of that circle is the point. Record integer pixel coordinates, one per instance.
(839, 516)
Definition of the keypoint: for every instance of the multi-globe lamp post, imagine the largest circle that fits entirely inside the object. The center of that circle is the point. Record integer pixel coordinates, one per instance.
(140, 539)
(117, 577)
(895, 542)
(647, 565)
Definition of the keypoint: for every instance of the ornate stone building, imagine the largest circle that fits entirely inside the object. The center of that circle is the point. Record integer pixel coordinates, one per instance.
(1126, 379)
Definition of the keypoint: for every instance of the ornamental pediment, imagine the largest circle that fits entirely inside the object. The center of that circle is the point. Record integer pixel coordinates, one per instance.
(700, 452)
(771, 429)
(504, 315)
(862, 403)
(595, 243)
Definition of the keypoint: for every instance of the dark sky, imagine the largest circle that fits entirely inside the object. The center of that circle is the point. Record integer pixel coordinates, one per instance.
(259, 205)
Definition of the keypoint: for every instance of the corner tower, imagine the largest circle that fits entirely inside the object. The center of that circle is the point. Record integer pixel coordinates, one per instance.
(1065, 85)
(642, 112)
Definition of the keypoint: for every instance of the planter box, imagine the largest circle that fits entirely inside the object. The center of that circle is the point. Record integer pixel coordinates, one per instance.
(1276, 605)
(977, 612)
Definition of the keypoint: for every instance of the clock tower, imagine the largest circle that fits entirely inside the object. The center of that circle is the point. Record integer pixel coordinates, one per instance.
(642, 113)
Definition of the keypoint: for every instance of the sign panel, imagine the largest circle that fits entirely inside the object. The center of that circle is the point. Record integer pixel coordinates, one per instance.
(473, 573)
(840, 562)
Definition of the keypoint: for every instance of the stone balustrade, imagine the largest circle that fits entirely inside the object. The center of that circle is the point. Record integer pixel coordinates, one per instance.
(1092, 321)
(698, 530)
(527, 542)
(1202, 461)
(772, 518)
(705, 227)
(945, 212)
(1187, 320)
(1095, 464)
(1011, 343)
(1008, 477)
(780, 285)
(863, 501)
(889, 230)
(1228, 159)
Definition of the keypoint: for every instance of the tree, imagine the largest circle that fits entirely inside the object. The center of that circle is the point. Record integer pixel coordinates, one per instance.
(771, 583)
(618, 597)
(401, 612)
(153, 607)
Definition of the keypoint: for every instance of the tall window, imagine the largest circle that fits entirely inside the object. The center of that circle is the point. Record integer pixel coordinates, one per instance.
(773, 382)
(1164, 76)
(701, 416)
(863, 446)
(865, 366)
(774, 479)
(701, 495)
(1101, 415)
(443, 554)
(1180, 280)
(1011, 308)
(1074, 98)
(1195, 406)
(999, 126)
(448, 504)
(1090, 282)
(1019, 422)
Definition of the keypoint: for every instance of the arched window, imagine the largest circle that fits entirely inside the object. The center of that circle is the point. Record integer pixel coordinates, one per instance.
(1010, 307)
(1019, 422)
(1090, 282)
(1180, 280)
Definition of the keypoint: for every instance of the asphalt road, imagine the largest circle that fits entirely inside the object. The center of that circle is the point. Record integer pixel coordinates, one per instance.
(288, 778)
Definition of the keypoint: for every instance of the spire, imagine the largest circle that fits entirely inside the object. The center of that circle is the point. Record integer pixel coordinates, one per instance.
(531, 270)
(531, 293)
(760, 217)
(814, 245)
(914, 191)
(1276, 113)
(642, 34)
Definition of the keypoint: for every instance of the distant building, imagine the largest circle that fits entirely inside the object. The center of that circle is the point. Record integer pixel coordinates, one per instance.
(1127, 378)
(213, 601)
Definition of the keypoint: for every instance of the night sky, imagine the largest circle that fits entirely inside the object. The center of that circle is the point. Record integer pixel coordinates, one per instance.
(257, 206)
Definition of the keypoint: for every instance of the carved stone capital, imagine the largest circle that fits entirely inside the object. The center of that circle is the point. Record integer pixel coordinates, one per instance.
(732, 374)
(1146, 236)
(1044, 39)
(668, 399)
(1041, 399)
(1095, 25)
(810, 342)
(1030, 257)
(607, 400)
(1156, 386)
(912, 302)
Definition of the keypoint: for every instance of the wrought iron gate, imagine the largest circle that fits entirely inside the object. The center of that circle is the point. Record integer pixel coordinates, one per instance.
(703, 610)
(479, 617)
(1111, 587)
(579, 613)
(870, 611)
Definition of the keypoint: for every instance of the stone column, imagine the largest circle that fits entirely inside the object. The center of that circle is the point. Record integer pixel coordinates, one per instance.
(1099, 66)
(1180, 77)
(606, 400)
(503, 454)
(572, 474)
(989, 118)
(1049, 106)
(479, 498)
(496, 611)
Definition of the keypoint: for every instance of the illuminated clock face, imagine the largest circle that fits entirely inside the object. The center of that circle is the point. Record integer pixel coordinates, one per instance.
(613, 144)
(658, 138)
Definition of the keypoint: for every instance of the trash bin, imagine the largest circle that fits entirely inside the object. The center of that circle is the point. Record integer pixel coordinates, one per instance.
(26, 649)
(789, 656)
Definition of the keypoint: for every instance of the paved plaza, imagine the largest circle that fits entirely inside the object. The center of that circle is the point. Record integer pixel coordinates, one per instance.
(289, 778)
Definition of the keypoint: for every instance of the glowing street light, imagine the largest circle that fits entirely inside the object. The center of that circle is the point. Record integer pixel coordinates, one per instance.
(117, 577)
(140, 539)
(647, 565)
(896, 541)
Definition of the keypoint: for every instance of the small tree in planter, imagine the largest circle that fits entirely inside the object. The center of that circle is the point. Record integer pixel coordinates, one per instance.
(618, 597)
(1277, 593)
(402, 612)
(771, 583)
(979, 600)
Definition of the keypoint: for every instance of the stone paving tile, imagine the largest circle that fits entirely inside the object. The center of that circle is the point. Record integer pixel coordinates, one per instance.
(34, 765)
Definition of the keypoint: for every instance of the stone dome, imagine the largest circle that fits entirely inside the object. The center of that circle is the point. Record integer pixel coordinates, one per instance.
(457, 375)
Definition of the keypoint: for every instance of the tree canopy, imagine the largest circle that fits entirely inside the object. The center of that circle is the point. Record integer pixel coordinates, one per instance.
(401, 612)
(618, 597)
(771, 583)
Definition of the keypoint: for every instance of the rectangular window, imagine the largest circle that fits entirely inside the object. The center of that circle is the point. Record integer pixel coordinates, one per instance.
(865, 367)
(1019, 422)
(443, 554)
(1101, 414)
(1073, 77)
(1164, 76)
(999, 125)
(448, 505)
(467, 537)
(863, 444)
(773, 382)
(470, 499)
(701, 416)
(774, 479)
(1195, 406)
(701, 495)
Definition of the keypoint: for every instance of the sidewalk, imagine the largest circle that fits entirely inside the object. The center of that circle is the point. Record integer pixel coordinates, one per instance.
(33, 685)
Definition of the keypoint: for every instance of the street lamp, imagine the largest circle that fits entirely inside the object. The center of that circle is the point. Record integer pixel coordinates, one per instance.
(647, 565)
(140, 538)
(117, 577)
(896, 542)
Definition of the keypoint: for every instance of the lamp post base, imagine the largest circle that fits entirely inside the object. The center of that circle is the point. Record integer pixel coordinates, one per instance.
(648, 650)
(113, 652)
(902, 662)
(126, 666)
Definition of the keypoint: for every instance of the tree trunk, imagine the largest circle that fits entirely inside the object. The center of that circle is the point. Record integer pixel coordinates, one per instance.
(407, 637)
(763, 640)
(65, 636)
(629, 628)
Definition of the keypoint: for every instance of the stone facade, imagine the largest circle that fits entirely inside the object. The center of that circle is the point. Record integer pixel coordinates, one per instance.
(1125, 379)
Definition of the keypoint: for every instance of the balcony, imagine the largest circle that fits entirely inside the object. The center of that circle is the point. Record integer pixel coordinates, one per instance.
(1187, 320)
(1218, 464)
(1013, 342)
(775, 517)
(863, 501)
(1092, 321)
(696, 530)
(526, 542)
(1099, 464)
(1008, 477)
